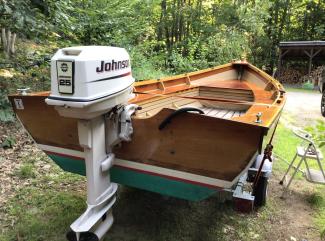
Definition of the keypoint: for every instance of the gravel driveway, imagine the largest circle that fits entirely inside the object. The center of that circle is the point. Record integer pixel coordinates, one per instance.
(303, 107)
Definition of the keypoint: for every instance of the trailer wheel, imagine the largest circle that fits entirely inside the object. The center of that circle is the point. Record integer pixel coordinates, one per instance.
(260, 191)
(322, 104)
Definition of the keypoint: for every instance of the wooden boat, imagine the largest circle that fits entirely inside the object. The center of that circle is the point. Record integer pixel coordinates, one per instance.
(174, 150)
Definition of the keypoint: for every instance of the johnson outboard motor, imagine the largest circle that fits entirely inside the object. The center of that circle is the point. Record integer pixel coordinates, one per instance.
(93, 84)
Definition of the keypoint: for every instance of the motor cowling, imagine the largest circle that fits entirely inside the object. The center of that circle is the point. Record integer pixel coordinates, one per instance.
(88, 81)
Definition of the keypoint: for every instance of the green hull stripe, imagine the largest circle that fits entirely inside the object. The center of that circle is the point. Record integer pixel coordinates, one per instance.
(69, 164)
(141, 180)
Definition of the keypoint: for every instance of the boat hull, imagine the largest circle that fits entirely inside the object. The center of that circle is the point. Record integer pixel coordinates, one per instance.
(148, 178)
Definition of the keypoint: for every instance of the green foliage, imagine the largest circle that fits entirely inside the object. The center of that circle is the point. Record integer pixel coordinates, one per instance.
(309, 23)
(6, 114)
(318, 132)
(33, 68)
(22, 16)
(8, 142)
(26, 170)
(292, 20)
(308, 85)
(145, 66)
(168, 36)
(316, 200)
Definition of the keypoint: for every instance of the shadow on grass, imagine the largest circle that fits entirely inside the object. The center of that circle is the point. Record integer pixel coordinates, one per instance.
(139, 215)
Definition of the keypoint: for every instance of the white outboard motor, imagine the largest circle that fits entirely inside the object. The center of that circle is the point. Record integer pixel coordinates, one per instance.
(88, 81)
(93, 84)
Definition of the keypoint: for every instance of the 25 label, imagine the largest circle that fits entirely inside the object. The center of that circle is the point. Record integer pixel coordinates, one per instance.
(66, 82)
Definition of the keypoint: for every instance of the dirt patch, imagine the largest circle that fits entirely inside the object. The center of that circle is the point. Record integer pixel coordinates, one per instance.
(9, 162)
(10, 159)
(295, 216)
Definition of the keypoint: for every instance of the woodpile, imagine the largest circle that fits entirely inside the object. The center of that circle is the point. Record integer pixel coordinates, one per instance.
(299, 76)
(315, 76)
(291, 75)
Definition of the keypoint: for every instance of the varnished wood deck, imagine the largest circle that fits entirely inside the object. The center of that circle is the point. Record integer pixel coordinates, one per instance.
(222, 113)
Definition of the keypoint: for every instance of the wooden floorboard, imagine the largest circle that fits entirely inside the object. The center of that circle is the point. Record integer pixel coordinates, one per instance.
(181, 103)
(216, 112)
(229, 114)
(222, 113)
(236, 113)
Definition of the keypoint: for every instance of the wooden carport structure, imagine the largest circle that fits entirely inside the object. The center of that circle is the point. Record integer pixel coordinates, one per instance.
(301, 50)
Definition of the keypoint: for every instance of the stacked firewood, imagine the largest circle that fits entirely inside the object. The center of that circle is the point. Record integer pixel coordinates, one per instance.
(315, 75)
(299, 76)
(319, 73)
(291, 76)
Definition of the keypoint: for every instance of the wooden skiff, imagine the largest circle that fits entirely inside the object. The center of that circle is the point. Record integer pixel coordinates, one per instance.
(174, 152)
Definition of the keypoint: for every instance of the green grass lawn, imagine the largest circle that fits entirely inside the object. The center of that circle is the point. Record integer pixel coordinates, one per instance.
(290, 88)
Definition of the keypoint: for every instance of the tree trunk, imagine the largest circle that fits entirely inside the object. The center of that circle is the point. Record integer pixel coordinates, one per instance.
(161, 24)
(8, 42)
(4, 39)
(12, 44)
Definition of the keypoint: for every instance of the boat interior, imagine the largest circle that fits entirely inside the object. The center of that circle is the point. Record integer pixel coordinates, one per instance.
(233, 91)
(213, 101)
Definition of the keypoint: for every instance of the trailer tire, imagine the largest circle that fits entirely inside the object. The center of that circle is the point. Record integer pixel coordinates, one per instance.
(322, 104)
(260, 191)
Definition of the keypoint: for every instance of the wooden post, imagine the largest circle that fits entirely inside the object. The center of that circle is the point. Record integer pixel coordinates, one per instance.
(281, 55)
(311, 55)
(279, 66)
(310, 61)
